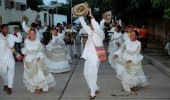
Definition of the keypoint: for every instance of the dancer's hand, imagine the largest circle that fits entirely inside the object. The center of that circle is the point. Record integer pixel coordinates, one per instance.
(115, 56)
(128, 61)
(90, 13)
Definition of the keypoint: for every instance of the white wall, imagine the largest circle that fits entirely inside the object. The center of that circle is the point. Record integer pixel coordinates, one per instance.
(22, 1)
(11, 15)
(59, 19)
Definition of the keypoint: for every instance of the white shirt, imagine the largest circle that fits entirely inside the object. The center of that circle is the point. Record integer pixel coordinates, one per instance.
(6, 44)
(130, 50)
(95, 38)
(30, 48)
(19, 37)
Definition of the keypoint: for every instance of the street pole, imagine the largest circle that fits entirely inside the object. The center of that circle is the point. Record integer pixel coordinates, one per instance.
(71, 12)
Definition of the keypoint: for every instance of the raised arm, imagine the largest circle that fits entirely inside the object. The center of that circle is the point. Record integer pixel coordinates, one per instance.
(26, 29)
(85, 26)
(96, 26)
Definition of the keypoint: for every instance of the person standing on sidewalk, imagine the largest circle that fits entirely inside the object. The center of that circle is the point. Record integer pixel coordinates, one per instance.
(7, 62)
(95, 38)
(143, 37)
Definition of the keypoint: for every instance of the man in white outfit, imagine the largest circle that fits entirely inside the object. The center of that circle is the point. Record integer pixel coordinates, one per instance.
(83, 35)
(7, 62)
(72, 47)
(95, 38)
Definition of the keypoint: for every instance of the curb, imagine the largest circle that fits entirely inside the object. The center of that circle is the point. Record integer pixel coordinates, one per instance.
(158, 65)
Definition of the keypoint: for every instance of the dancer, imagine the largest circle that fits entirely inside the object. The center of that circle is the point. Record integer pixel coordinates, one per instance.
(129, 59)
(7, 62)
(114, 44)
(95, 38)
(56, 54)
(84, 36)
(37, 77)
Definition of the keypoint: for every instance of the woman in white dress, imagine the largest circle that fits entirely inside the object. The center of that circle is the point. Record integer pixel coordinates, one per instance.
(114, 44)
(37, 77)
(56, 54)
(129, 59)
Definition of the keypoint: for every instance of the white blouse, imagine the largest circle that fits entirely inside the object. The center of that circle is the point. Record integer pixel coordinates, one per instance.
(32, 50)
(130, 50)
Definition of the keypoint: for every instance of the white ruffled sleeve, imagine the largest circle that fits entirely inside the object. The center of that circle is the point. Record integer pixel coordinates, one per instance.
(24, 50)
(40, 53)
(138, 57)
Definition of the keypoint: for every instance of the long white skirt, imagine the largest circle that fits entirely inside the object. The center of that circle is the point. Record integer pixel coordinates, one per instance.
(37, 76)
(57, 60)
(133, 75)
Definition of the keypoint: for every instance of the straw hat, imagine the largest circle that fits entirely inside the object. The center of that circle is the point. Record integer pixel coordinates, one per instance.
(80, 9)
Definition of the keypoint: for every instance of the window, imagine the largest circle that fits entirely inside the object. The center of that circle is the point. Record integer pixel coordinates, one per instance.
(0, 2)
(20, 6)
(9, 4)
(23, 7)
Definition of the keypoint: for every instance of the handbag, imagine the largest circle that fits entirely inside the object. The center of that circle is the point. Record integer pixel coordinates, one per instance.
(101, 53)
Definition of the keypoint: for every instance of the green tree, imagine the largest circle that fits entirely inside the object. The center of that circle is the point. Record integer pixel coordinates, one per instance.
(164, 4)
(33, 4)
(64, 9)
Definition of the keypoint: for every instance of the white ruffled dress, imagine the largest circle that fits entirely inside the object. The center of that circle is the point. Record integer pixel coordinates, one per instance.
(56, 56)
(131, 74)
(36, 74)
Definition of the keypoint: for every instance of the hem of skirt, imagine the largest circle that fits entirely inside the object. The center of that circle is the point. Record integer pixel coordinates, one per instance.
(59, 70)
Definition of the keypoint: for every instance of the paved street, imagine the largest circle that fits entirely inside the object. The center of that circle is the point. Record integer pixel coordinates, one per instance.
(72, 85)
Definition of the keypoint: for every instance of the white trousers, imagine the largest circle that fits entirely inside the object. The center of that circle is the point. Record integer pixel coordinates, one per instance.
(72, 48)
(91, 74)
(7, 70)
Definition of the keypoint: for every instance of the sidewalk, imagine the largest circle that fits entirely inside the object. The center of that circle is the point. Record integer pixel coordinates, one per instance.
(154, 55)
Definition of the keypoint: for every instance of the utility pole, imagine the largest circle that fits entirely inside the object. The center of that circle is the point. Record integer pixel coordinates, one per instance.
(71, 12)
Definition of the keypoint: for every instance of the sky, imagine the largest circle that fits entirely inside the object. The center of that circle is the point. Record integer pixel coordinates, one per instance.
(47, 2)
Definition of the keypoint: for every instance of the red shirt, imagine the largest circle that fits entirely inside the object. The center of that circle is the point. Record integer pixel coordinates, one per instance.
(143, 33)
